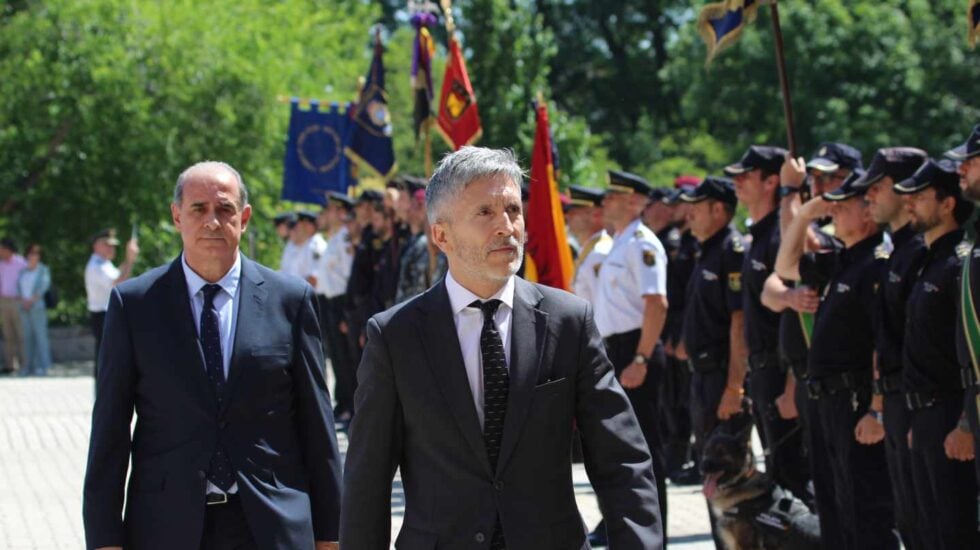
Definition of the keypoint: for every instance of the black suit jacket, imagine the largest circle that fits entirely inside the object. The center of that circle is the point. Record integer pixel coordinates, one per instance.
(276, 424)
(415, 411)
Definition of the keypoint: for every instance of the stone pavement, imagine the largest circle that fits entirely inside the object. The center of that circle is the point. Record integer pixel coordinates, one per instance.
(44, 428)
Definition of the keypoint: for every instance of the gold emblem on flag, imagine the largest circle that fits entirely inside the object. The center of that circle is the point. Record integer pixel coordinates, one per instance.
(458, 100)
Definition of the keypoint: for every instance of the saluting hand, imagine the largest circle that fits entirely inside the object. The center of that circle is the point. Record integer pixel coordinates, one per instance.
(959, 445)
(869, 431)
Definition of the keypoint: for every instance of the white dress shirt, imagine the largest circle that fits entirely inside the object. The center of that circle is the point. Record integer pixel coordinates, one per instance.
(100, 277)
(333, 267)
(226, 304)
(469, 326)
(299, 259)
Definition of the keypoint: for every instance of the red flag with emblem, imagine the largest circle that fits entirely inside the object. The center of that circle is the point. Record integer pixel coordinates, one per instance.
(459, 118)
(547, 242)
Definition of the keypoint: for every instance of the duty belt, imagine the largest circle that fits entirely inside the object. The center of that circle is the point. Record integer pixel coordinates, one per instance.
(834, 383)
(919, 400)
(705, 362)
(763, 360)
(888, 384)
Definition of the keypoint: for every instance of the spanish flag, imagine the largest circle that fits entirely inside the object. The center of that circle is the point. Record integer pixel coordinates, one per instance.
(547, 242)
(721, 23)
(973, 16)
(458, 119)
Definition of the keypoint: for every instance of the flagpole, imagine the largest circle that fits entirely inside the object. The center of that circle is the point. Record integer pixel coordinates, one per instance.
(783, 80)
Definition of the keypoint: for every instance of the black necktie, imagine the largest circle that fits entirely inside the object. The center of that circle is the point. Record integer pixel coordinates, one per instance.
(495, 389)
(220, 471)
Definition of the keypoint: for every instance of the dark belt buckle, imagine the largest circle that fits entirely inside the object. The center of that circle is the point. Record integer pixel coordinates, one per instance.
(216, 498)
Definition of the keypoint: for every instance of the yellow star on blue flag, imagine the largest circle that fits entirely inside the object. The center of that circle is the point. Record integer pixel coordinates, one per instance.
(721, 23)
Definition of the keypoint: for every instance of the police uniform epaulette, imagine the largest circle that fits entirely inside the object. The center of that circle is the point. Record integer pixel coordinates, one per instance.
(882, 252)
(963, 249)
(638, 234)
(737, 244)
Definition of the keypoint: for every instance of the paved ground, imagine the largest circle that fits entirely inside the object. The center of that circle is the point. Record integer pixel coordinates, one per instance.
(44, 427)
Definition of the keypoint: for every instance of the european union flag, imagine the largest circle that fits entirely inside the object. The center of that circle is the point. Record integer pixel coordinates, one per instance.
(370, 136)
(315, 161)
(721, 23)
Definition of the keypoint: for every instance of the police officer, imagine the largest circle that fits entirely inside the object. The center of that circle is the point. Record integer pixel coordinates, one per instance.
(968, 327)
(363, 266)
(305, 247)
(756, 178)
(841, 357)
(284, 224)
(630, 310)
(584, 220)
(888, 167)
(419, 269)
(932, 379)
(332, 273)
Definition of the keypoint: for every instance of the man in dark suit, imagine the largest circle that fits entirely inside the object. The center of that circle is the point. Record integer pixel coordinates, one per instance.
(473, 387)
(220, 357)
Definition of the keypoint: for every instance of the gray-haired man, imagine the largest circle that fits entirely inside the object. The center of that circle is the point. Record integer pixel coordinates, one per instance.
(472, 389)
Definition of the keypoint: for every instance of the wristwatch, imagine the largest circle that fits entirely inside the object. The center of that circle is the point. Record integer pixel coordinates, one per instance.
(640, 359)
(786, 191)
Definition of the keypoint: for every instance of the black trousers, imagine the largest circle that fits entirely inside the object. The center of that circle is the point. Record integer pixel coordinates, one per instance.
(898, 421)
(97, 323)
(707, 389)
(945, 488)
(675, 413)
(337, 348)
(786, 461)
(225, 527)
(621, 349)
(862, 492)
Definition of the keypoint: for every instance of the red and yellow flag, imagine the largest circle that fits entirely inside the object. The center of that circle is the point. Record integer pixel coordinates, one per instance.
(459, 118)
(547, 242)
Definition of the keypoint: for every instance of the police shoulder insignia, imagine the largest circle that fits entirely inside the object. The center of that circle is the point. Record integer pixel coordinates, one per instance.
(963, 249)
(882, 252)
(649, 258)
(735, 282)
(738, 245)
(638, 234)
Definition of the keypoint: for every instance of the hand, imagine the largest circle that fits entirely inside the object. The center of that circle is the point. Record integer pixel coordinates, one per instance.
(786, 405)
(343, 327)
(803, 299)
(731, 403)
(815, 209)
(312, 280)
(793, 171)
(908, 438)
(323, 545)
(132, 250)
(633, 376)
(959, 445)
(869, 431)
(680, 351)
(669, 348)
(362, 341)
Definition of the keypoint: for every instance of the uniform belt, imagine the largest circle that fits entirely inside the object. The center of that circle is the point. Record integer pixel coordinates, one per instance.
(798, 367)
(213, 499)
(763, 360)
(706, 363)
(888, 384)
(829, 385)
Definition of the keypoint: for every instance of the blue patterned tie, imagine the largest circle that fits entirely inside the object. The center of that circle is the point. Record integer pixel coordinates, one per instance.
(220, 471)
(496, 384)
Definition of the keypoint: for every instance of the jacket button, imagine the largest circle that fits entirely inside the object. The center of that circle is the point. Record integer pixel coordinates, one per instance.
(498, 485)
(480, 537)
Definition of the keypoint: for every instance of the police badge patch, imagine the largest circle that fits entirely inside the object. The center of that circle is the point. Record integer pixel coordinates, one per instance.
(735, 282)
(649, 258)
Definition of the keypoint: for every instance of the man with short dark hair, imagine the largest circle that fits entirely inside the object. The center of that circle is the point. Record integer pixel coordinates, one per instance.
(220, 358)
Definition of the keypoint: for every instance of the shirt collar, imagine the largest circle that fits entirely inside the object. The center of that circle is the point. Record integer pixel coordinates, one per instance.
(228, 283)
(903, 235)
(630, 229)
(460, 298)
(717, 238)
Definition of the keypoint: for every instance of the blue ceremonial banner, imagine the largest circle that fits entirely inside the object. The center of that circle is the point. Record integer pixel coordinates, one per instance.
(315, 161)
(370, 138)
(721, 23)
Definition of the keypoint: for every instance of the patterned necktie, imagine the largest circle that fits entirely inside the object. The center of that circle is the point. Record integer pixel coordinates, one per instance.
(495, 390)
(220, 471)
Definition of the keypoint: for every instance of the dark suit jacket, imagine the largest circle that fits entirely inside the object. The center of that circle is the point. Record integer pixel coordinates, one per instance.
(276, 424)
(415, 411)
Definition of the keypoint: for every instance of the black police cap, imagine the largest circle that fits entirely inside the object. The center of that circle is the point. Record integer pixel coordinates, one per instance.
(719, 189)
(969, 149)
(832, 156)
(765, 157)
(940, 174)
(658, 194)
(847, 189)
(285, 217)
(370, 195)
(108, 234)
(410, 183)
(897, 162)
(585, 196)
(305, 216)
(340, 199)
(625, 182)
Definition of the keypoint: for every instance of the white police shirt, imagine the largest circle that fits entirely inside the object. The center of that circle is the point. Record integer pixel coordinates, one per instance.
(587, 272)
(333, 267)
(100, 277)
(635, 267)
(299, 259)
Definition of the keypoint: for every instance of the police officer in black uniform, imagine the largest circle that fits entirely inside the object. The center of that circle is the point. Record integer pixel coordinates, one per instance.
(932, 378)
(840, 362)
(713, 324)
(363, 267)
(888, 167)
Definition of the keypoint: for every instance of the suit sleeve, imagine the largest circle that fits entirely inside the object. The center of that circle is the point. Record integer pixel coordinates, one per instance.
(110, 440)
(616, 455)
(374, 451)
(314, 417)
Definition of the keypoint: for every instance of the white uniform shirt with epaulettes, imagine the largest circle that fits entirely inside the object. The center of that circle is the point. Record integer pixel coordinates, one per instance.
(332, 270)
(587, 269)
(299, 259)
(635, 267)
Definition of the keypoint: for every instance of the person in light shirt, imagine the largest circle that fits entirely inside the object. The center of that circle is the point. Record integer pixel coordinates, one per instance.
(101, 275)
(11, 265)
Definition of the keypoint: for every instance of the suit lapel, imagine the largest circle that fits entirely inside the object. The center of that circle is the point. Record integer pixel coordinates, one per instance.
(181, 321)
(251, 306)
(528, 333)
(445, 358)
